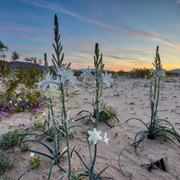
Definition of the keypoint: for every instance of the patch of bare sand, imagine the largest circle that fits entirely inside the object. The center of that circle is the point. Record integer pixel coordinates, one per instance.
(131, 98)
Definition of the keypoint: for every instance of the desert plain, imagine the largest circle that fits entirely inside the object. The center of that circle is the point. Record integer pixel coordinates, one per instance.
(130, 97)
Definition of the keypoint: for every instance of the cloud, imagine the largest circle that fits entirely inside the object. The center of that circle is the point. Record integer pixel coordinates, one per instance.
(24, 26)
(178, 1)
(37, 38)
(130, 31)
(124, 58)
(150, 36)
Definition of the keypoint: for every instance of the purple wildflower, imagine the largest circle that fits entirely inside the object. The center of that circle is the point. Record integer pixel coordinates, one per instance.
(27, 107)
(42, 105)
(2, 109)
(1, 112)
(22, 104)
(31, 104)
(21, 125)
(11, 98)
(37, 110)
(7, 103)
(11, 108)
(9, 116)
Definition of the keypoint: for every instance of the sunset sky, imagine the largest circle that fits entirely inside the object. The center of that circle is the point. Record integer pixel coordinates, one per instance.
(127, 31)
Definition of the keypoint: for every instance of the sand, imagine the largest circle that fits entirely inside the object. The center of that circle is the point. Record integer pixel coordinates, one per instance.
(131, 99)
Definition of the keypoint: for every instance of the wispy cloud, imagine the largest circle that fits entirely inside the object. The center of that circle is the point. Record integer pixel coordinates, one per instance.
(37, 38)
(24, 26)
(150, 36)
(130, 31)
(178, 1)
(124, 58)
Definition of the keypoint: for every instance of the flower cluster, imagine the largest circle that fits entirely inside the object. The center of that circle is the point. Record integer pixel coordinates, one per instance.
(96, 135)
(19, 103)
(158, 73)
(63, 75)
(105, 77)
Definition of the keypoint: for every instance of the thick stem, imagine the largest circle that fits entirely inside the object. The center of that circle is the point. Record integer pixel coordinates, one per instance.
(97, 119)
(65, 123)
(97, 99)
(93, 163)
(56, 146)
(157, 96)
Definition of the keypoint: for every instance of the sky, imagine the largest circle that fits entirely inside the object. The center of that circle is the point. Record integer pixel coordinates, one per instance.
(127, 31)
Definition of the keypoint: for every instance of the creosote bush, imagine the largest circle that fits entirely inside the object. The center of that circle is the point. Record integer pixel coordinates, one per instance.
(5, 72)
(28, 76)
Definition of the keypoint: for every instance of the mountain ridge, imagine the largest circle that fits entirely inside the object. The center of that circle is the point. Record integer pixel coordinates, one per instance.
(21, 63)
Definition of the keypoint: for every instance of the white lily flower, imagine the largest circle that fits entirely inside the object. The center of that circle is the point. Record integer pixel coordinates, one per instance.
(72, 78)
(86, 73)
(161, 73)
(31, 155)
(48, 81)
(94, 136)
(106, 78)
(105, 139)
(65, 74)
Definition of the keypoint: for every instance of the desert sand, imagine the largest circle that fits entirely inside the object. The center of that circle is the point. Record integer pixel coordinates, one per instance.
(131, 99)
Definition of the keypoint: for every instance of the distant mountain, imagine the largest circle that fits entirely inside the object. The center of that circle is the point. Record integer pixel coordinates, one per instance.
(81, 70)
(20, 63)
(177, 71)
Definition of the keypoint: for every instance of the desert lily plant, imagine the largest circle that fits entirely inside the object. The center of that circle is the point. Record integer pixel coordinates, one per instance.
(156, 128)
(101, 78)
(54, 85)
(63, 77)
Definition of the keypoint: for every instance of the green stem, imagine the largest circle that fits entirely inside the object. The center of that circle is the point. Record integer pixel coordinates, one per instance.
(56, 144)
(97, 99)
(97, 119)
(93, 163)
(157, 100)
(152, 109)
(65, 123)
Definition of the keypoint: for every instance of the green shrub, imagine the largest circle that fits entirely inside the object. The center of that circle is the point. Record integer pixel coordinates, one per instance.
(10, 139)
(27, 76)
(5, 162)
(108, 113)
(5, 71)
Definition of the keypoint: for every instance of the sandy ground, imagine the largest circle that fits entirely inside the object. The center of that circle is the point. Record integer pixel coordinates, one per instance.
(131, 99)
